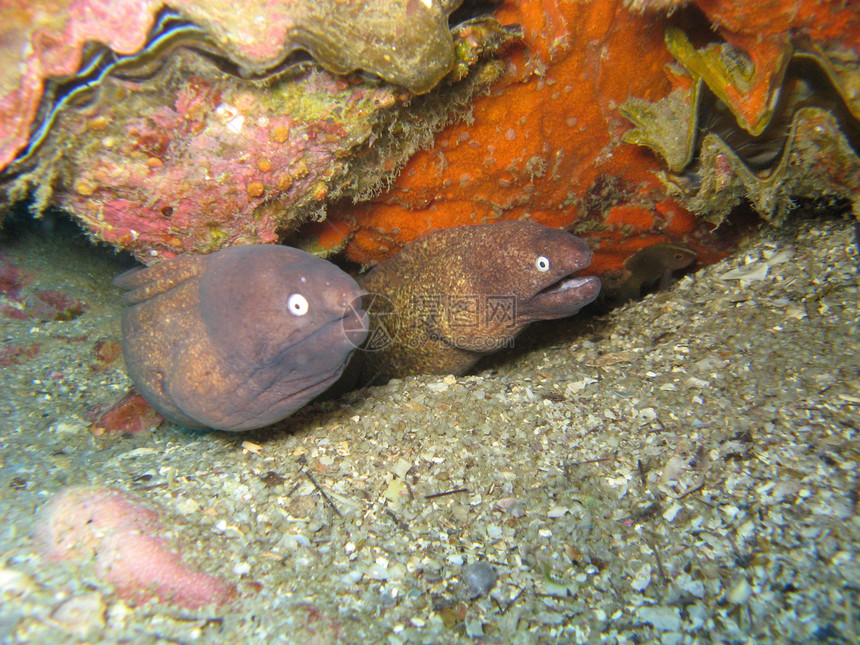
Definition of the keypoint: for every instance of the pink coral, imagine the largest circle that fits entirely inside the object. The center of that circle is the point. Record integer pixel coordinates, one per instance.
(216, 164)
(129, 414)
(124, 538)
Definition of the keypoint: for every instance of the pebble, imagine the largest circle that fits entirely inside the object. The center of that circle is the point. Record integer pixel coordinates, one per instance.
(81, 614)
(478, 579)
(665, 619)
(740, 592)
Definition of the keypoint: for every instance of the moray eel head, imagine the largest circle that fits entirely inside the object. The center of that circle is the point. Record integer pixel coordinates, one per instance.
(240, 338)
(562, 292)
(539, 267)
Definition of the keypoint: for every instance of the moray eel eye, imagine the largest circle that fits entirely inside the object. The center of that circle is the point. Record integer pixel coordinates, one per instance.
(297, 304)
(542, 264)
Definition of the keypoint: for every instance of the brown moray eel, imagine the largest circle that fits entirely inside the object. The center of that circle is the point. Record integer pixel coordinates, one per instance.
(240, 338)
(457, 294)
(650, 266)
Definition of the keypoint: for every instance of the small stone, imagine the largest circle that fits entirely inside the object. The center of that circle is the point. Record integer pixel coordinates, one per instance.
(512, 505)
(15, 583)
(272, 479)
(642, 578)
(395, 490)
(749, 272)
(695, 588)
(549, 618)
(478, 579)
(740, 593)
(577, 387)
(187, 506)
(81, 614)
(130, 414)
(68, 428)
(665, 619)
(672, 512)
(401, 467)
(474, 627)
(377, 572)
(557, 511)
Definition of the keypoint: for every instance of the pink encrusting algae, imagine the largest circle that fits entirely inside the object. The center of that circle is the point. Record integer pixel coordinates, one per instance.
(124, 539)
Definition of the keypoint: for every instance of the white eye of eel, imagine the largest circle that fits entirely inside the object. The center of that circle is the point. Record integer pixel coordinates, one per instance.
(542, 264)
(297, 304)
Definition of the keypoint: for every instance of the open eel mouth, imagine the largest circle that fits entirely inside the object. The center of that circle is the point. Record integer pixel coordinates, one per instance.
(562, 298)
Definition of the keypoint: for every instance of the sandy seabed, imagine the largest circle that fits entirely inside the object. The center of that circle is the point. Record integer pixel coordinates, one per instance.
(682, 470)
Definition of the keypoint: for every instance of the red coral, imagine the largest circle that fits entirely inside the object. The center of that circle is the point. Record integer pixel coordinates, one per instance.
(15, 354)
(11, 280)
(49, 304)
(130, 414)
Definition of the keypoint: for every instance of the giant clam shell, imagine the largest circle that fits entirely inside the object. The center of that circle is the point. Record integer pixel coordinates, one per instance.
(802, 146)
(192, 160)
(405, 42)
(204, 138)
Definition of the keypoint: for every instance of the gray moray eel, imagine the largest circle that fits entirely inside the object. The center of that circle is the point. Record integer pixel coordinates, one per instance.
(240, 338)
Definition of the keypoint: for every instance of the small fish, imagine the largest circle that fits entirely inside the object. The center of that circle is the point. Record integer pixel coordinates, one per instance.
(650, 267)
(456, 294)
(240, 338)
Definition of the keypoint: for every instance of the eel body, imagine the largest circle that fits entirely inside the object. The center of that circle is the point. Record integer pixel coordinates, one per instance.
(240, 338)
(457, 294)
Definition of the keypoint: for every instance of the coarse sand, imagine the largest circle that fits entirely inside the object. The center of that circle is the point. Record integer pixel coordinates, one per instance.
(681, 470)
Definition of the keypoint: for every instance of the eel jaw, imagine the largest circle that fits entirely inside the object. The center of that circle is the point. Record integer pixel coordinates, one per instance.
(562, 298)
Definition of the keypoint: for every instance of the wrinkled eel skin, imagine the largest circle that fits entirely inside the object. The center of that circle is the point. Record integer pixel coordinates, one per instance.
(457, 294)
(240, 338)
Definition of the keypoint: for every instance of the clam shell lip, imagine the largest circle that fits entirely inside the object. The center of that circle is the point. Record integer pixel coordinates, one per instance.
(791, 135)
(401, 41)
